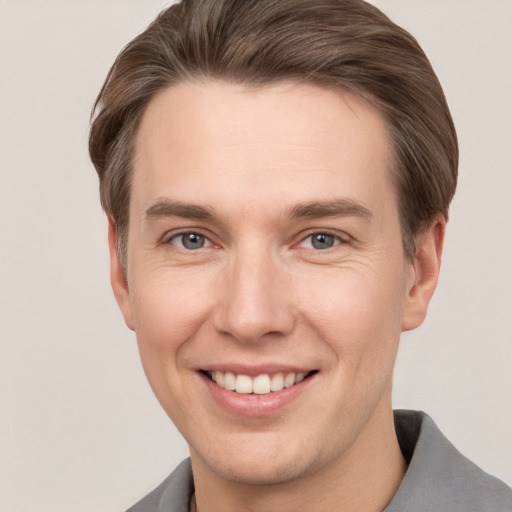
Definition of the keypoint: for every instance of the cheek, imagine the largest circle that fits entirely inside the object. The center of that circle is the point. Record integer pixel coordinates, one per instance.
(168, 308)
(358, 313)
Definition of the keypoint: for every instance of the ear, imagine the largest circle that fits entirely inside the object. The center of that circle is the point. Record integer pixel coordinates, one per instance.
(424, 273)
(118, 278)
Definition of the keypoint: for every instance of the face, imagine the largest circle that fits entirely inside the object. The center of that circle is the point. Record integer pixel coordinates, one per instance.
(264, 253)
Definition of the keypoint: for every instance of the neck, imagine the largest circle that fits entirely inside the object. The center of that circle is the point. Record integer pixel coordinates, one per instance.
(364, 479)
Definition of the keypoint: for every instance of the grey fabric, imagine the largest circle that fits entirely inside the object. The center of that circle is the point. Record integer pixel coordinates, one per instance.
(172, 495)
(439, 477)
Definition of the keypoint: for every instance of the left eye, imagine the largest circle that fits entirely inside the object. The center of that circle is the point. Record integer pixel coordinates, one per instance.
(190, 241)
(320, 241)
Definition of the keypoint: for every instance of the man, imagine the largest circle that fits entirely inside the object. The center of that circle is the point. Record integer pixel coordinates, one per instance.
(277, 176)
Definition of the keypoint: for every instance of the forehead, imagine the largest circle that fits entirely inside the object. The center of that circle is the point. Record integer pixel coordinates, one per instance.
(216, 142)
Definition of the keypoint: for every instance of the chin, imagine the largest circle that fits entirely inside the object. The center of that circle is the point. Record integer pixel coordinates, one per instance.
(259, 473)
(263, 463)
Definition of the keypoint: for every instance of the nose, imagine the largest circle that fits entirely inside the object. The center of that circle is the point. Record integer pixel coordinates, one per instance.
(256, 300)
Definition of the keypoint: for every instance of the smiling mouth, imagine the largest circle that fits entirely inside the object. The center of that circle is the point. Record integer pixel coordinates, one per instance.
(259, 385)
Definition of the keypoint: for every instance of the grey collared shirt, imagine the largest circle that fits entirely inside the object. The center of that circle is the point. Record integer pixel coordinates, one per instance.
(439, 477)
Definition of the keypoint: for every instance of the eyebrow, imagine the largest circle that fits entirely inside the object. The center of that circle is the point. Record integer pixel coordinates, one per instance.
(170, 208)
(334, 208)
(306, 210)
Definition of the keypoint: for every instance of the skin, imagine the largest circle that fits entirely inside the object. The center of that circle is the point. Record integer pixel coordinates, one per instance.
(260, 293)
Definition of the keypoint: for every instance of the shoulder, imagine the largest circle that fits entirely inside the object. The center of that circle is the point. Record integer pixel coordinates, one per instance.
(172, 495)
(439, 477)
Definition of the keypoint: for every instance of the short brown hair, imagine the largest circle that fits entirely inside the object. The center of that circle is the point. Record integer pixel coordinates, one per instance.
(344, 44)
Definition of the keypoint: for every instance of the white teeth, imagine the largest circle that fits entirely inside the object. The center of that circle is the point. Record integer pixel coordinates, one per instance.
(219, 378)
(289, 380)
(243, 384)
(277, 382)
(299, 377)
(229, 381)
(260, 385)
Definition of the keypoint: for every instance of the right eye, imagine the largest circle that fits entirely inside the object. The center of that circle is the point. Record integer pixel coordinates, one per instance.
(320, 241)
(190, 241)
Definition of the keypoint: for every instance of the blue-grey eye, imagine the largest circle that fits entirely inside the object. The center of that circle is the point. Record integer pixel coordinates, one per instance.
(323, 241)
(191, 241)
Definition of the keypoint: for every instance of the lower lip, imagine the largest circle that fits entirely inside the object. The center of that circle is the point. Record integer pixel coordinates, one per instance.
(249, 404)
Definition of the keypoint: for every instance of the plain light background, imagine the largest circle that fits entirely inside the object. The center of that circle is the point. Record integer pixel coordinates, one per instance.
(80, 430)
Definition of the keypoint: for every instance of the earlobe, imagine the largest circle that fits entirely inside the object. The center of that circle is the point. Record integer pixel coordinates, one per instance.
(118, 278)
(424, 274)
